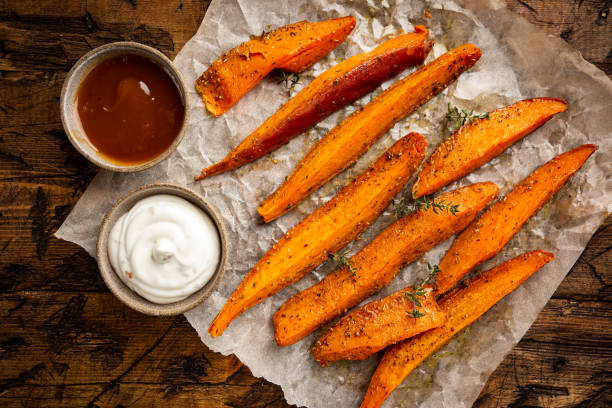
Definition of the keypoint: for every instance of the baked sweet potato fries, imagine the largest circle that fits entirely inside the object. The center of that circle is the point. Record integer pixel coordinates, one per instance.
(462, 307)
(337, 87)
(345, 143)
(479, 141)
(292, 48)
(488, 234)
(326, 230)
(379, 324)
(410, 323)
(377, 263)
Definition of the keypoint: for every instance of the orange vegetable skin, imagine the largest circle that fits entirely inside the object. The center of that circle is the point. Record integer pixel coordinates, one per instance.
(345, 143)
(486, 236)
(377, 263)
(337, 87)
(377, 325)
(326, 230)
(462, 307)
(293, 47)
(475, 144)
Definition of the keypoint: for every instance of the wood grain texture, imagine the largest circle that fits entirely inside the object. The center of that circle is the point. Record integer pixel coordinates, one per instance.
(66, 342)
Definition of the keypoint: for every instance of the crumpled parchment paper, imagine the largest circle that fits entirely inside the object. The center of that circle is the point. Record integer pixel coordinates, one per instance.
(518, 62)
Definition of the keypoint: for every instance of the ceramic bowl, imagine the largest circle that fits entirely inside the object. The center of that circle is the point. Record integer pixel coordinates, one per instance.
(80, 70)
(127, 295)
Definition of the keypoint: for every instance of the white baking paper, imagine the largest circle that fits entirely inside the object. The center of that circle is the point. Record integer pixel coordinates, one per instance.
(518, 62)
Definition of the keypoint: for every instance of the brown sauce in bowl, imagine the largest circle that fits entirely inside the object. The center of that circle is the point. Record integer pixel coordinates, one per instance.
(130, 109)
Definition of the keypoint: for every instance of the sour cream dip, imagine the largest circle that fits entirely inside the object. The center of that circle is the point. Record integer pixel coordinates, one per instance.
(164, 248)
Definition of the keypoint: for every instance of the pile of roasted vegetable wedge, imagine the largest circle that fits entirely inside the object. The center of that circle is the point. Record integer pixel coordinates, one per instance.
(414, 322)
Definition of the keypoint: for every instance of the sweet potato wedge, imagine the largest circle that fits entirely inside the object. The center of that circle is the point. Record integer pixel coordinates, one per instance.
(462, 306)
(293, 47)
(377, 263)
(377, 325)
(337, 87)
(345, 143)
(326, 230)
(488, 234)
(476, 143)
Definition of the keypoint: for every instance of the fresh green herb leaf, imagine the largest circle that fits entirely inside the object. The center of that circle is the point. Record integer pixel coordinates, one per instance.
(401, 208)
(416, 314)
(341, 259)
(418, 291)
(405, 206)
(289, 80)
(426, 203)
(433, 270)
(456, 117)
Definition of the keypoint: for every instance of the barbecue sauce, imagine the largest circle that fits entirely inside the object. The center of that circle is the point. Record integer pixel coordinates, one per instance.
(130, 109)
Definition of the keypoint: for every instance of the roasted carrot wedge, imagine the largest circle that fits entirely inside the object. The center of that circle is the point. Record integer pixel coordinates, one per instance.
(345, 143)
(486, 236)
(326, 230)
(293, 47)
(462, 307)
(476, 143)
(378, 262)
(377, 325)
(337, 87)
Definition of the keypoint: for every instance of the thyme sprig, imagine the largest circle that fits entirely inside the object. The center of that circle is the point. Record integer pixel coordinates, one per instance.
(341, 259)
(404, 206)
(456, 117)
(418, 291)
(426, 202)
(289, 80)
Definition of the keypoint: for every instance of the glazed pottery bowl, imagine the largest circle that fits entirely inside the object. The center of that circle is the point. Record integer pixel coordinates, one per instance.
(120, 289)
(80, 70)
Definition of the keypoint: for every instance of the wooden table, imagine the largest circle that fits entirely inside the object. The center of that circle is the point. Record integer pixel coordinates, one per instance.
(65, 341)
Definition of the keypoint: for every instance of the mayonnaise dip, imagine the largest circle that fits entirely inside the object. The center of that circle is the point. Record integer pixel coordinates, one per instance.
(164, 248)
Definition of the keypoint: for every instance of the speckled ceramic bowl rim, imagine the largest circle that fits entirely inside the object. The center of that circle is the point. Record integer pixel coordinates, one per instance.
(93, 58)
(120, 289)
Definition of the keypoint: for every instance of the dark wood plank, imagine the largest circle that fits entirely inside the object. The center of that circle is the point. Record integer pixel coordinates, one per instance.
(582, 23)
(65, 341)
(90, 344)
